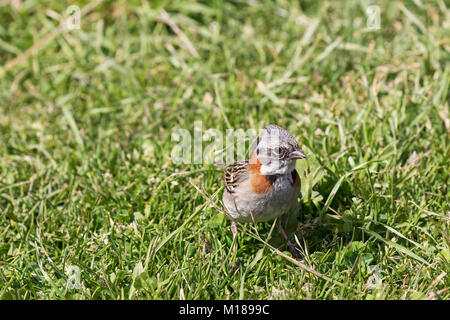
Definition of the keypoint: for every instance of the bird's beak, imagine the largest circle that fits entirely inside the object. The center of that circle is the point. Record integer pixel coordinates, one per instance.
(297, 154)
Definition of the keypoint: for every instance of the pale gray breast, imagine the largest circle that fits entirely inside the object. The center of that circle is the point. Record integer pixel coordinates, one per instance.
(243, 203)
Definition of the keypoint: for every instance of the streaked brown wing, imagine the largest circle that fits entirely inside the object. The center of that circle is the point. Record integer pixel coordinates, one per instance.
(236, 173)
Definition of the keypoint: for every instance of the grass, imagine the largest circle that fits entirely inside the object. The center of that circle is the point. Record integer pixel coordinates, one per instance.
(86, 177)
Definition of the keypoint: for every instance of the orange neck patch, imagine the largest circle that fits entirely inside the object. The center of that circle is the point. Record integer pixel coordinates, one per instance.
(260, 183)
(254, 164)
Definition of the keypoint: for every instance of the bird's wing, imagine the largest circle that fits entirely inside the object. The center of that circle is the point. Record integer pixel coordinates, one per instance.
(235, 174)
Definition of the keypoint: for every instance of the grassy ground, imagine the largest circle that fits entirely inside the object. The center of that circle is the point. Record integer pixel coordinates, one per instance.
(86, 177)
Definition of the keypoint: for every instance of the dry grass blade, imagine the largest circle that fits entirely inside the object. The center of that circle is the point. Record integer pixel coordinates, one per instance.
(305, 267)
(164, 17)
(212, 203)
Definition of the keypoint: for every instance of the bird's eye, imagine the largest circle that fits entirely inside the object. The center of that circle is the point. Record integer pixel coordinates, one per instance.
(276, 151)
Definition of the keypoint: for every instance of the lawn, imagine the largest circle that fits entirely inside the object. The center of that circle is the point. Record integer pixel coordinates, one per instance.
(92, 205)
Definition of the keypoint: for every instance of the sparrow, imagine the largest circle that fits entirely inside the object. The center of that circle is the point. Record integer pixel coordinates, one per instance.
(266, 186)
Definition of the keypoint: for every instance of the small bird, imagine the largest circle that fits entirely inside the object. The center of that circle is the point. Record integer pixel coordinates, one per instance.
(267, 185)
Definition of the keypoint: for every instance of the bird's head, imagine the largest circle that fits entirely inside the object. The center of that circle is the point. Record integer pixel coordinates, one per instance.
(277, 150)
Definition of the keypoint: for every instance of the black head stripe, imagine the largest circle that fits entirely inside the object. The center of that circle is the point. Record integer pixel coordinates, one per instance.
(272, 178)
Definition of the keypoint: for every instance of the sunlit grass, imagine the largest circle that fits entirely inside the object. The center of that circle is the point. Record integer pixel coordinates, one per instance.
(86, 177)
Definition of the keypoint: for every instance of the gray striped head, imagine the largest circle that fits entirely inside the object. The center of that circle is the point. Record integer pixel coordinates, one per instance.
(277, 150)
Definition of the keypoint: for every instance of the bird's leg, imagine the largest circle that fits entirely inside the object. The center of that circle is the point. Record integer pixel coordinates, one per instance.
(291, 246)
(234, 231)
